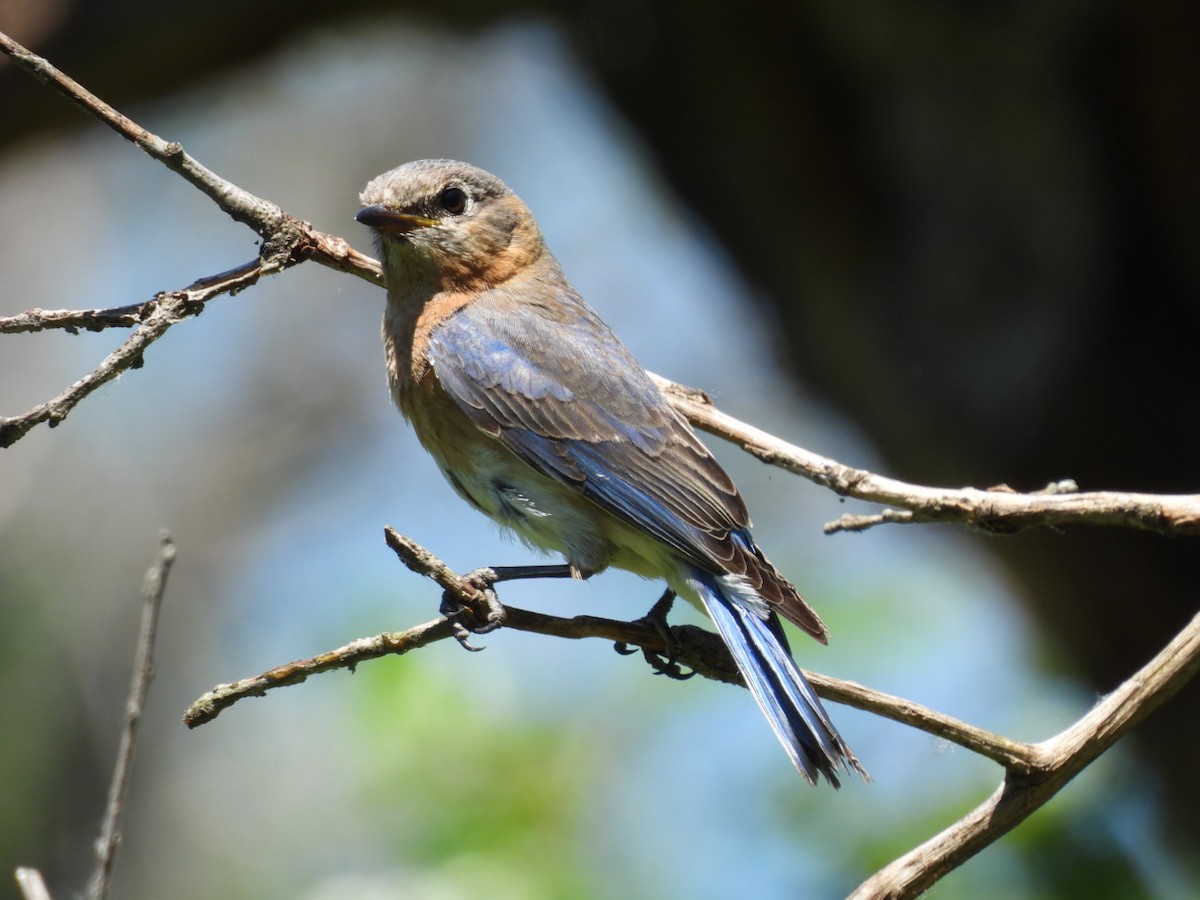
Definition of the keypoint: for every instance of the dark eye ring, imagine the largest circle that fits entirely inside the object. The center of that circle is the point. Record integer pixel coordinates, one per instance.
(453, 200)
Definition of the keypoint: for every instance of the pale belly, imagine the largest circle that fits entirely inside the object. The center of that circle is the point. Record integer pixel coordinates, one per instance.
(553, 518)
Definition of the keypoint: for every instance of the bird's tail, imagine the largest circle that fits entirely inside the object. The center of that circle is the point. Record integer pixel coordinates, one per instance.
(756, 640)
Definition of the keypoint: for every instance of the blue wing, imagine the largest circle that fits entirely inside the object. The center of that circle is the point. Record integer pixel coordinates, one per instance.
(558, 388)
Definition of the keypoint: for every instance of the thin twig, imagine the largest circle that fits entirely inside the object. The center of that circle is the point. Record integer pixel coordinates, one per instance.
(209, 706)
(165, 310)
(283, 234)
(72, 320)
(244, 207)
(286, 242)
(143, 670)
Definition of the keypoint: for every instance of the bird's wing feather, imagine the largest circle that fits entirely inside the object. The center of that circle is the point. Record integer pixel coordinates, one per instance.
(556, 386)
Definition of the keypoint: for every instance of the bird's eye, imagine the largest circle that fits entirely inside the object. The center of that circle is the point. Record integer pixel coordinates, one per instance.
(453, 200)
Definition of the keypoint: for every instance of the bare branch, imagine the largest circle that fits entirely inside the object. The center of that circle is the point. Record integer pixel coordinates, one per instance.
(997, 509)
(143, 670)
(286, 242)
(209, 706)
(72, 320)
(284, 236)
(260, 214)
(159, 315)
(700, 650)
(1060, 759)
(1016, 756)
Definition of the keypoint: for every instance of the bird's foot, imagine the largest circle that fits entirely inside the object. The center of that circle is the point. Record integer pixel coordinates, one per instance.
(485, 612)
(657, 616)
(478, 616)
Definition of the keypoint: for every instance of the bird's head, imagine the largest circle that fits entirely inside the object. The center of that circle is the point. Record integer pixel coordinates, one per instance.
(449, 222)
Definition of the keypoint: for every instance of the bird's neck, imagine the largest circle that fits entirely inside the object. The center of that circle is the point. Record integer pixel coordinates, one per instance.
(424, 291)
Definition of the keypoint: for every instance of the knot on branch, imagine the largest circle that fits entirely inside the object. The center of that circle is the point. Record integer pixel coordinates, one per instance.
(286, 245)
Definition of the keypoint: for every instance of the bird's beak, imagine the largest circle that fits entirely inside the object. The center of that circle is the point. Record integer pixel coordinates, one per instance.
(392, 221)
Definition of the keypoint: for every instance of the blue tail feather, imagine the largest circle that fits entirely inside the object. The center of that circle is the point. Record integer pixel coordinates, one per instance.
(784, 694)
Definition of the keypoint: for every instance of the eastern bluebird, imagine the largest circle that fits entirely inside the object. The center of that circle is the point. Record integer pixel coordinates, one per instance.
(541, 418)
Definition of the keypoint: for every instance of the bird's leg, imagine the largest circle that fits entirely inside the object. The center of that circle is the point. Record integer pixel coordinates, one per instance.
(488, 611)
(516, 573)
(657, 616)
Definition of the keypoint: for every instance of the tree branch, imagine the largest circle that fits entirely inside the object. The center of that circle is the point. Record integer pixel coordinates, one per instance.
(286, 242)
(33, 886)
(283, 235)
(1059, 760)
(999, 509)
(143, 671)
(156, 317)
(701, 651)
(71, 320)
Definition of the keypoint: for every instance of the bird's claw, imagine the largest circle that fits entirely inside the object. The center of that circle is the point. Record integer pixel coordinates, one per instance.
(667, 666)
(657, 617)
(463, 636)
(480, 616)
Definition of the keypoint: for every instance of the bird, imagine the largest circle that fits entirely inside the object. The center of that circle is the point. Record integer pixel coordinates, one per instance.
(540, 418)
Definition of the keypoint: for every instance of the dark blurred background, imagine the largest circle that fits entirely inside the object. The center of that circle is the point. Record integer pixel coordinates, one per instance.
(972, 233)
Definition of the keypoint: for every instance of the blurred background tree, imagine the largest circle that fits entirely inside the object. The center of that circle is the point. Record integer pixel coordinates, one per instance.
(958, 246)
